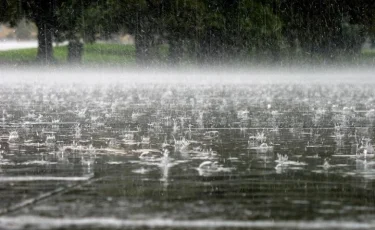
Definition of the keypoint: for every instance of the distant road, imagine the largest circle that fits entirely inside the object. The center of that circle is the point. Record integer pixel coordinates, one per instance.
(15, 45)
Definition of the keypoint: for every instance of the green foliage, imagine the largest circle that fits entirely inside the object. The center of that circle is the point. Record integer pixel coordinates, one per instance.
(207, 30)
(326, 27)
(9, 12)
(83, 19)
(255, 25)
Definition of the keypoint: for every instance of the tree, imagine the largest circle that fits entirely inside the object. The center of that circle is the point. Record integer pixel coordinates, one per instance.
(141, 18)
(9, 12)
(328, 28)
(362, 17)
(42, 13)
(182, 26)
(70, 20)
(82, 20)
(219, 30)
(254, 28)
(233, 29)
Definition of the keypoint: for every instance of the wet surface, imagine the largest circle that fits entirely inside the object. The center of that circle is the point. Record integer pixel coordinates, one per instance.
(180, 157)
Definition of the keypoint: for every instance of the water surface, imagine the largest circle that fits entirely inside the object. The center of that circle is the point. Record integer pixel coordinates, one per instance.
(262, 156)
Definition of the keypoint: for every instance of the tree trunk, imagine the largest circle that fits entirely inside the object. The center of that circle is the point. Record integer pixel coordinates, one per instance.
(45, 49)
(75, 52)
(142, 40)
(142, 48)
(203, 52)
(175, 51)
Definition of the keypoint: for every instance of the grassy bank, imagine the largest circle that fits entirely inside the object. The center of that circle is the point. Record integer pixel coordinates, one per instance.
(118, 54)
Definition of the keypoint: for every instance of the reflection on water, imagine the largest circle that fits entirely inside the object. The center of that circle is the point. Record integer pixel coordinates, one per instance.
(265, 156)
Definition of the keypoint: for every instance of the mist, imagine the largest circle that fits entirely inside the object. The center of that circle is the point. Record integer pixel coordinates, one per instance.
(204, 75)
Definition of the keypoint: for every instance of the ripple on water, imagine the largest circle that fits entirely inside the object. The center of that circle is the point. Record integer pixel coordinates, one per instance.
(141, 171)
(36, 162)
(115, 162)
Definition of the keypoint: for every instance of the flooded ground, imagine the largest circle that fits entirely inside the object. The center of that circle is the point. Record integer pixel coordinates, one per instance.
(183, 156)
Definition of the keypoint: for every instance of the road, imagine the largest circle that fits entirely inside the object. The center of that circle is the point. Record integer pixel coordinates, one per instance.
(14, 44)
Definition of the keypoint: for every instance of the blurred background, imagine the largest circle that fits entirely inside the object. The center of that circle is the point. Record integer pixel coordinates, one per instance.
(187, 32)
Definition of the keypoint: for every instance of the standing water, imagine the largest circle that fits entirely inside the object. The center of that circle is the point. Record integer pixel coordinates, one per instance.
(125, 154)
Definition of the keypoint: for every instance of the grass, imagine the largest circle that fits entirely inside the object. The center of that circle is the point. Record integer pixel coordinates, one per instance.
(109, 53)
(118, 54)
(93, 54)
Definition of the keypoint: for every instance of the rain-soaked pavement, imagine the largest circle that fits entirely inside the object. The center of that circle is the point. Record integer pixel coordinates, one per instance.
(261, 156)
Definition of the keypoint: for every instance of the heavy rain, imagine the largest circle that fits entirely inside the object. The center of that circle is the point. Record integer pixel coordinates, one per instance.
(187, 114)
